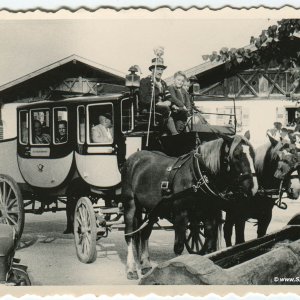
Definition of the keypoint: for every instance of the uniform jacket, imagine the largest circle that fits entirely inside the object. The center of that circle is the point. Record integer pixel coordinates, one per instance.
(145, 92)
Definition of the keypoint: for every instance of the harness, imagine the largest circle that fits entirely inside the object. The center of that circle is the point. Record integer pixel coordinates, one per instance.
(201, 178)
(200, 181)
(279, 192)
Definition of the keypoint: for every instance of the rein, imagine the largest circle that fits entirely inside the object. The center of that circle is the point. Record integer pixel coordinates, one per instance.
(270, 192)
(203, 181)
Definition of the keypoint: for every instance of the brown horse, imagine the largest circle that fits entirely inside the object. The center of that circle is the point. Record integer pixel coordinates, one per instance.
(170, 188)
(273, 163)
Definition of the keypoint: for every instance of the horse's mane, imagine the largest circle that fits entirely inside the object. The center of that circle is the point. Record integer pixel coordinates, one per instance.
(237, 139)
(260, 155)
(211, 152)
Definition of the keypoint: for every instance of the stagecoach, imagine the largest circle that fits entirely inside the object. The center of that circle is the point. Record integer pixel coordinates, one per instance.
(79, 171)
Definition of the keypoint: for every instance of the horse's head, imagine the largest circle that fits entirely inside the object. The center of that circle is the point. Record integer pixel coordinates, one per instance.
(240, 158)
(288, 171)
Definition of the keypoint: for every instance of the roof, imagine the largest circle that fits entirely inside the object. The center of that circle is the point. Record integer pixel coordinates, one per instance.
(59, 63)
(99, 98)
(206, 66)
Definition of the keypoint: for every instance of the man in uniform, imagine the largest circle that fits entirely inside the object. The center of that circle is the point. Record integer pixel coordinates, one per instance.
(162, 97)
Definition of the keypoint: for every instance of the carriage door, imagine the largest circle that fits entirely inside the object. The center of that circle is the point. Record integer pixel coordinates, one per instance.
(97, 164)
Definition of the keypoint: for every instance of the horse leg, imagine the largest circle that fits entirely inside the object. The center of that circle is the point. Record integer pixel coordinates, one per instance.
(239, 231)
(180, 223)
(263, 223)
(145, 258)
(228, 227)
(129, 218)
(211, 226)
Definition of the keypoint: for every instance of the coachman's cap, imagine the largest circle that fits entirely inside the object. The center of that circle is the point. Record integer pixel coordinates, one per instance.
(159, 62)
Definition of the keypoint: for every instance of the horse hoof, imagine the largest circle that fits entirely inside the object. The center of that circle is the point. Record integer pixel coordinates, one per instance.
(132, 275)
(146, 270)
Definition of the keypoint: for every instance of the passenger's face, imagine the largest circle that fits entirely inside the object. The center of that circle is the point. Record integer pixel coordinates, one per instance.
(108, 123)
(186, 85)
(158, 73)
(37, 129)
(62, 129)
(179, 81)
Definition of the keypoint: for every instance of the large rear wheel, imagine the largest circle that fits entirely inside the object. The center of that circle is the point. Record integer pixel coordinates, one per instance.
(85, 231)
(11, 204)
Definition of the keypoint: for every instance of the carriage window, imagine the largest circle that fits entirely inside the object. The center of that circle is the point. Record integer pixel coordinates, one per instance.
(100, 124)
(23, 129)
(60, 125)
(127, 115)
(40, 127)
(81, 124)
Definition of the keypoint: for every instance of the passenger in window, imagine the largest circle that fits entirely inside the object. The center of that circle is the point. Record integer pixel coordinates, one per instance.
(102, 133)
(38, 136)
(62, 132)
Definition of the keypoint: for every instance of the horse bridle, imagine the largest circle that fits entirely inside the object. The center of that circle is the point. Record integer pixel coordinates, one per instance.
(203, 180)
(279, 203)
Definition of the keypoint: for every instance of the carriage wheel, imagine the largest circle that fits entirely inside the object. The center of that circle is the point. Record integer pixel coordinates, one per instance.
(11, 204)
(20, 277)
(85, 231)
(194, 237)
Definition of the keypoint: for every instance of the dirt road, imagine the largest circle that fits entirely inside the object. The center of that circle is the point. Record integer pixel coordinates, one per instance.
(51, 257)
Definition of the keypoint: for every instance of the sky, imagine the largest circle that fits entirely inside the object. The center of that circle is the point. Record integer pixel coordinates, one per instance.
(27, 45)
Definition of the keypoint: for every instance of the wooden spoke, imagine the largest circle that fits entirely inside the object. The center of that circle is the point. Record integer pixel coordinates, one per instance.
(8, 196)
(11, 203)
(194, 241)
(86, 231)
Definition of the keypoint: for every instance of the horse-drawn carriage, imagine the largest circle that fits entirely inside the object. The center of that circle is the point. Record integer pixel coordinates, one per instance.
(51, 172)
(79, 170)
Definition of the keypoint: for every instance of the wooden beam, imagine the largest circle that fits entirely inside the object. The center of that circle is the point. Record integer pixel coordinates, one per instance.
(246, 84)
(210, 88)
(274, 84)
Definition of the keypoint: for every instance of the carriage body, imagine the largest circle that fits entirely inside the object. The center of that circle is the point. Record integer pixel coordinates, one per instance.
(51, 167)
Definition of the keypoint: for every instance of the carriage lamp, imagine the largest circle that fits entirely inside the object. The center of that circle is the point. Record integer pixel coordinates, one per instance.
(132, 79)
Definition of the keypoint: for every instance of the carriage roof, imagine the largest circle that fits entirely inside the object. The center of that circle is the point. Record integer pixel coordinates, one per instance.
(77, 100)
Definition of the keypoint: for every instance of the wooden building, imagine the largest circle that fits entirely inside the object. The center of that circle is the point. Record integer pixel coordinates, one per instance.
(71, 76)
(263, 96)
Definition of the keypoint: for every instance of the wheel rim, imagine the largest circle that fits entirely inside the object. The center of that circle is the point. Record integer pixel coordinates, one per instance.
(194, 237)
(83, 230)
(9, 205)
